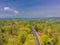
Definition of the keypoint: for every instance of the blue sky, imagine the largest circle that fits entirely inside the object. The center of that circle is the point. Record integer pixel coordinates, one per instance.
(29, 8)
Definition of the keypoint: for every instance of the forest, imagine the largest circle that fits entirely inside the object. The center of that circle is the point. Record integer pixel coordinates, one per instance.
(18, 32)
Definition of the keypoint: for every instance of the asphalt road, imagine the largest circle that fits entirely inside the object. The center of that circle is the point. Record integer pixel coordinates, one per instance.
(35, 35)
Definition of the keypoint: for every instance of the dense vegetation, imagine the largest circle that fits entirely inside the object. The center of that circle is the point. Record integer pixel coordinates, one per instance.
(16, 32)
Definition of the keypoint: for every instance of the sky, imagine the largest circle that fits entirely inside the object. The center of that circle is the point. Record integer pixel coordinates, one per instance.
(29, 8)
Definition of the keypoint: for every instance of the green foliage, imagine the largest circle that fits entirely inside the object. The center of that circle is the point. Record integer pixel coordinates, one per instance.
(30, 40)
(16, 32)
(45, 40)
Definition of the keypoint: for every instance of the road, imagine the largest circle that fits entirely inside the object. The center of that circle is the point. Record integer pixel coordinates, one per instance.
(35, 35)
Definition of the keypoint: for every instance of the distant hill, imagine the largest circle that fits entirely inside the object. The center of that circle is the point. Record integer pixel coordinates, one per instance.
(42, 19)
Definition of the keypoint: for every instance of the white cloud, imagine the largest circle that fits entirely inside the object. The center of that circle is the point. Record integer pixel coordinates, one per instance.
(10, 9)
(6, 8)
(16, 11)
